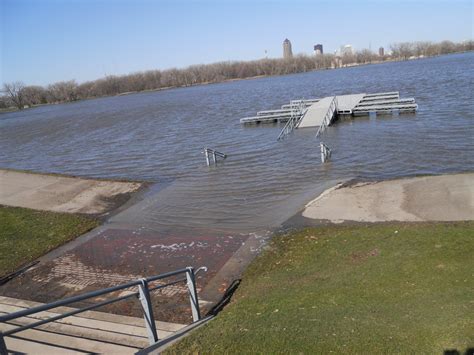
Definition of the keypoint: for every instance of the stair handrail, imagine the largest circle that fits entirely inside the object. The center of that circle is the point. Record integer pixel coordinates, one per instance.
(143, 294)
(293, 122)
(328, 116)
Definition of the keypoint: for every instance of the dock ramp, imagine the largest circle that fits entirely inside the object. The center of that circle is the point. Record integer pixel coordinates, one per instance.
(317, 112)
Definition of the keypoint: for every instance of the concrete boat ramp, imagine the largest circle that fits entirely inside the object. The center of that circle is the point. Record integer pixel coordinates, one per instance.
(320, 112)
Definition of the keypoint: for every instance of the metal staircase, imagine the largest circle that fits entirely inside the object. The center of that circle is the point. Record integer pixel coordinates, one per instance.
(295, 119)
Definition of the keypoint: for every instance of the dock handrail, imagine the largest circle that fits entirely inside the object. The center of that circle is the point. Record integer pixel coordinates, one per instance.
(293, 122)
(143, 294)
(328, 116)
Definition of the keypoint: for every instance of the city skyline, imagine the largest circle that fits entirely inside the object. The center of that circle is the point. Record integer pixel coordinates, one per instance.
(48, 41)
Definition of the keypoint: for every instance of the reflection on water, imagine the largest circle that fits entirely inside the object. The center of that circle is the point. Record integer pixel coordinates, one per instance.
(159, 136)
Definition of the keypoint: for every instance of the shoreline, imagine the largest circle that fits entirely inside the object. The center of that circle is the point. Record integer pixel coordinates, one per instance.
(351, 65)
(309, 212)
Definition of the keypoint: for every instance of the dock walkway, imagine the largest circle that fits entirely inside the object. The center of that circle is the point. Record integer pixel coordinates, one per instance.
(346, 103)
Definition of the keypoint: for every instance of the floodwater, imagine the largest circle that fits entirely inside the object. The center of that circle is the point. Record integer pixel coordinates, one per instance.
(159, 136)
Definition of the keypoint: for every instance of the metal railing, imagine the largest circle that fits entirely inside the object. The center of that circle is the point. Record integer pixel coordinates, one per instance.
(214, 153)
(143, 294)
(328, 116)
(293, 122)
(325, 152)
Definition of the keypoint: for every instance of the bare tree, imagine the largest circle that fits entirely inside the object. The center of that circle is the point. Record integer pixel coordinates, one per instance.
(402, 50)
(15, 92)
(63, 91)
(447, 47)
(421, 48)
(35, 95)
(364, 56)
(5, 102)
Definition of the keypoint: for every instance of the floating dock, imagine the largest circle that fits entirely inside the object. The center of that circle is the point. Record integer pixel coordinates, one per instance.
(323, 111)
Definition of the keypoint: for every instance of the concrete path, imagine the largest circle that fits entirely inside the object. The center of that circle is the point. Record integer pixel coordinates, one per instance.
(60, 193)
(429, 198)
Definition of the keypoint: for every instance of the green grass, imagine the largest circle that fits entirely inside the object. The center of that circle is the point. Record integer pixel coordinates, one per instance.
(380, 288)
(26, 234)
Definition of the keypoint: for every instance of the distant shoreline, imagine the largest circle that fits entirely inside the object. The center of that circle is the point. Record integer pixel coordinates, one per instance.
(13, 109)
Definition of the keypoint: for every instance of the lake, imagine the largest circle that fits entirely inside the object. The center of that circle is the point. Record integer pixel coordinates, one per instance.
(159, 137)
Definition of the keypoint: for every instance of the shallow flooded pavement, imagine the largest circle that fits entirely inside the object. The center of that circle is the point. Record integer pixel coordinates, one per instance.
(120, 251)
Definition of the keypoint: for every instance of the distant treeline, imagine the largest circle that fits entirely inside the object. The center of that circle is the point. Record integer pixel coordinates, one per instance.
(19, 95)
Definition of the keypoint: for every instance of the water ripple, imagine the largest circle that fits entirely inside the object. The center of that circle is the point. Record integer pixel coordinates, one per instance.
(159, 136)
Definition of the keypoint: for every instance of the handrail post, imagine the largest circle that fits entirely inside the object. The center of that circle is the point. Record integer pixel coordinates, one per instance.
(193, 296)
(147, 311)
(3, 346)
(325, 152)
(207, 156)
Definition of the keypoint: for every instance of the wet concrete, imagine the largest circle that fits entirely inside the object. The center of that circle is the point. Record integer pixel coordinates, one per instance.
(59, 193)
(116, 256)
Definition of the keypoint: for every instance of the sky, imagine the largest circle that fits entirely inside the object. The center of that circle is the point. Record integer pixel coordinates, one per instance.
(45, 41)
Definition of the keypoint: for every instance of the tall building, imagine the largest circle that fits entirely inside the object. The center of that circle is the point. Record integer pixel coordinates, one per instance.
(318, 49)
(347, 49)
(287, 52)
(381, 52)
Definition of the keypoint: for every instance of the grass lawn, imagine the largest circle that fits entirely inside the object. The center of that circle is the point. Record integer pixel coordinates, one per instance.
(27, 234)
(379, 288)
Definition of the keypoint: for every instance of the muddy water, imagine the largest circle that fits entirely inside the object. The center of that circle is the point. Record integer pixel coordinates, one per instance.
(159, 136)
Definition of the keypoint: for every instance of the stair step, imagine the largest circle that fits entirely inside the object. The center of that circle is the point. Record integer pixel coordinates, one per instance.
(90, 331)
(108, 317)
(59, 343)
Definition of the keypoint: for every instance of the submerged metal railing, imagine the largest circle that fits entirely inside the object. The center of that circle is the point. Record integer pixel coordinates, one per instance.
(143, 295)
(325, 152)
(293, 122)
(328, 117)
(214, 154)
